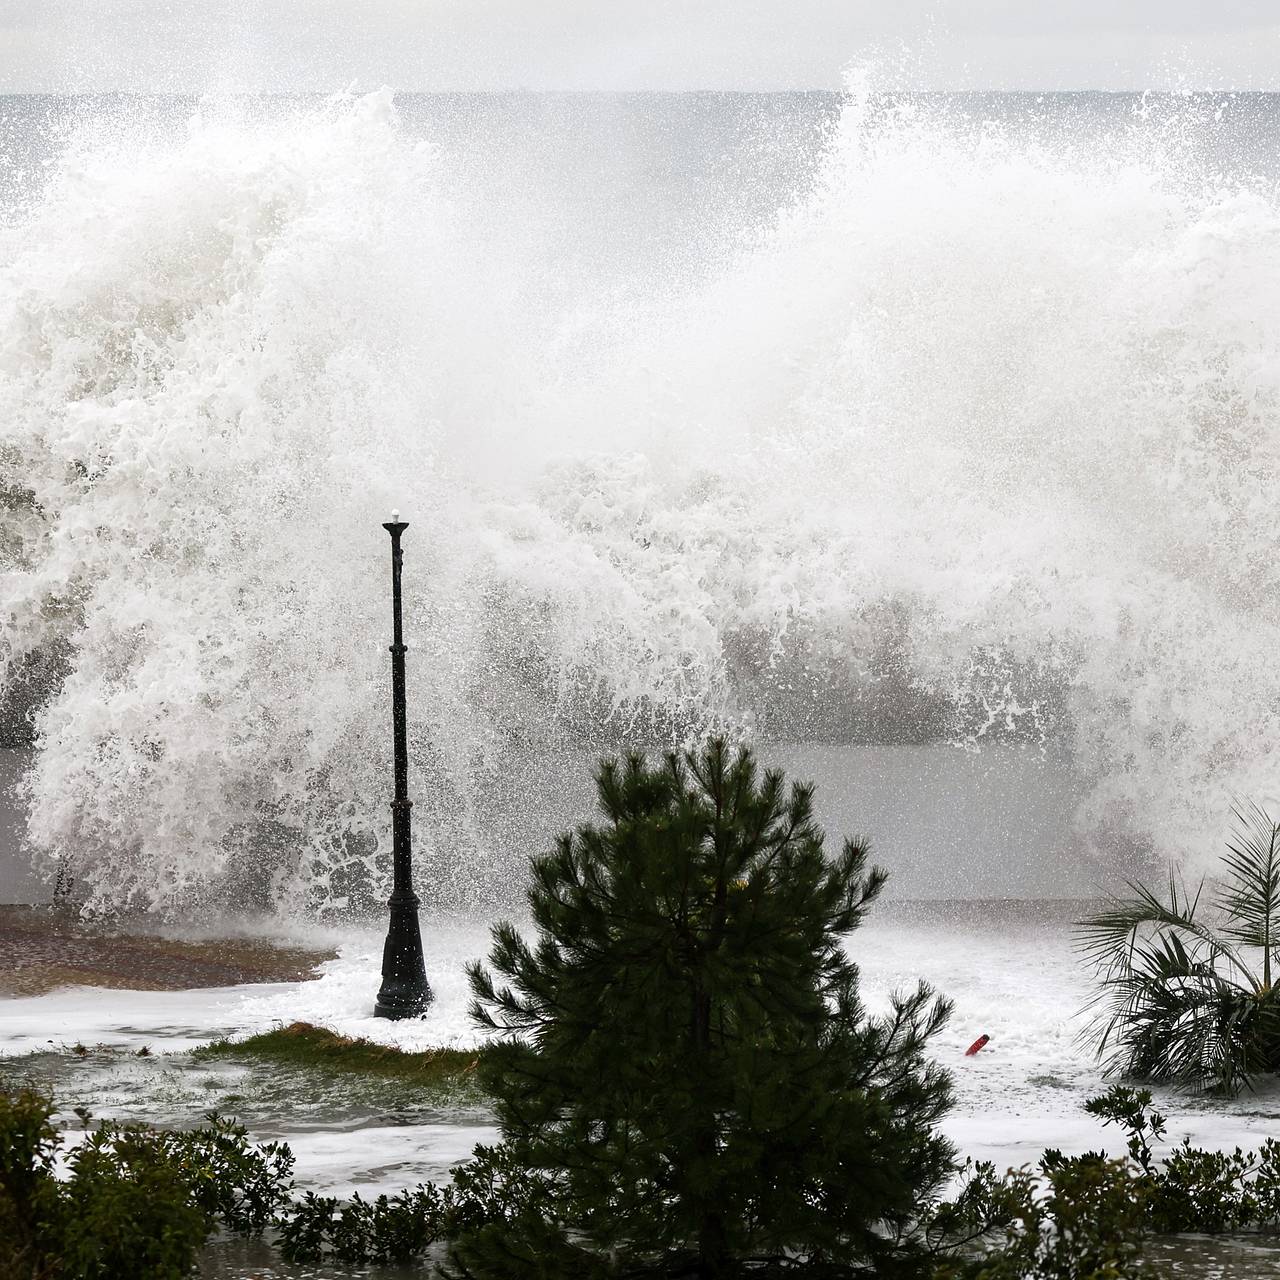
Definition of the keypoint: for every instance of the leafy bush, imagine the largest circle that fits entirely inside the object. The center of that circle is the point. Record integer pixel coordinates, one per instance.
(136, 1202)
(1072, 1218)
(1191, 1190)
(30, 1203)
(1083, 1217)
(234, 1182)
(683, 1065)
(1088, 1217)
(1186, 994)
(390, 1229)
(485, 1192)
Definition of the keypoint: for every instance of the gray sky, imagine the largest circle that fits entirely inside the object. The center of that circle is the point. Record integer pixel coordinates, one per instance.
(69, 45)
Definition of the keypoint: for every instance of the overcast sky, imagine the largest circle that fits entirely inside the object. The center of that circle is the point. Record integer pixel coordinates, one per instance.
(83, 45)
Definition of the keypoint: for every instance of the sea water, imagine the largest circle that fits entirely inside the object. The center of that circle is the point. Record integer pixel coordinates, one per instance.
(834, 422)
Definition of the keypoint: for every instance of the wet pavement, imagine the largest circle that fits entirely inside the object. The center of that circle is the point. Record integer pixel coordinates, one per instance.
(42, 948)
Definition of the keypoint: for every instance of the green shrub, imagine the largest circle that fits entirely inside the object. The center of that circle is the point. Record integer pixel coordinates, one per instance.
(395, 1229)
(485, 1192)
(1083, 1217)
(1077, 1218)
(30, 1203)
(136, 1202)
(1190, 1190)
(234, 1182)
(1088, 1217)
(125, 1211)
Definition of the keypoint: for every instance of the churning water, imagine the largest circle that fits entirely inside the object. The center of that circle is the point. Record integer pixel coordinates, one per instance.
(829, 420)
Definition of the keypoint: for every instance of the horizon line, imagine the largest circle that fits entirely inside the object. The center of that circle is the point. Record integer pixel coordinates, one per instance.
(524, 90)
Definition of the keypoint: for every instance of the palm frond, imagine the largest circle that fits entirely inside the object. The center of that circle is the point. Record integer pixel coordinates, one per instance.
(1180, 998)
(1250, 896)
(1106, 938)
(1170, 1016)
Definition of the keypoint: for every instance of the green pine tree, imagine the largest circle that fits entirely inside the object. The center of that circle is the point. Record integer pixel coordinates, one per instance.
(685, 1075)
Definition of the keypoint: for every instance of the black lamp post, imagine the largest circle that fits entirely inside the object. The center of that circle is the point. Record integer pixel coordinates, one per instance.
(405, 992)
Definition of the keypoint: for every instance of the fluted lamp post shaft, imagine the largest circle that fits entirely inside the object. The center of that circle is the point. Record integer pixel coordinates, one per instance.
(405, 992)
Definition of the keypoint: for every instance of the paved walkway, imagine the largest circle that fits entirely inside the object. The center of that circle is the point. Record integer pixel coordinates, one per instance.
(41, 949)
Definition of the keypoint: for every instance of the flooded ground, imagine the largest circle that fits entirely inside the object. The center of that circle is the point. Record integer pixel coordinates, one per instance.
(256, 1260)
(1009, 966)
(1184, 1257)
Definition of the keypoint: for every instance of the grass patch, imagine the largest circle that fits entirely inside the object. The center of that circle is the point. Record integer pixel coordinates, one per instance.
(303, 1045)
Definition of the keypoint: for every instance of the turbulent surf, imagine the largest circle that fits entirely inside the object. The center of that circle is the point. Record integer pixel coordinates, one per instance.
(967, 432)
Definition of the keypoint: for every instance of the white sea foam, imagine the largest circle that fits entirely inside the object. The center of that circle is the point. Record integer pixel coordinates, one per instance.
(978, 442)
(1010, 973)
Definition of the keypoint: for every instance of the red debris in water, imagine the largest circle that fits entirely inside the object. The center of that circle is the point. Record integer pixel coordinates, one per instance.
(976, 1045)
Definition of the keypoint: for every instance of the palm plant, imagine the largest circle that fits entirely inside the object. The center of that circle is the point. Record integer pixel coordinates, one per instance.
(1186, 994)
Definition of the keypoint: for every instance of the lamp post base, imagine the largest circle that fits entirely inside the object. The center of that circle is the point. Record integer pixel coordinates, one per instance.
(413, 1005)
(405, 991)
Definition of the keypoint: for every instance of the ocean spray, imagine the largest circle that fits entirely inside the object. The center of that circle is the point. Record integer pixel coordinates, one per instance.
(974, 441)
